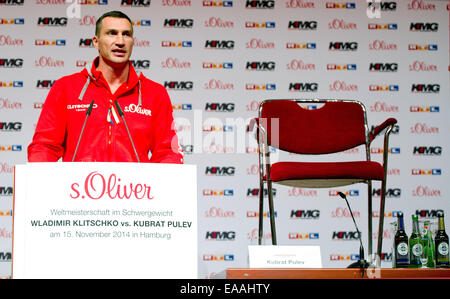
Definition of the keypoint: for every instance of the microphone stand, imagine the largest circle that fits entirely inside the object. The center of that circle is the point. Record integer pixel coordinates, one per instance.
(128, 131)
(362, 263)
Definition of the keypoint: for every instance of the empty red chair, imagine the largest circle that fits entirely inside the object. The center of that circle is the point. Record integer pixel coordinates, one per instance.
(336, 126)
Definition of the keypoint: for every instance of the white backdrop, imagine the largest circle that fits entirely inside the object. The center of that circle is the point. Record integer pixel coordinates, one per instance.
(218, 60)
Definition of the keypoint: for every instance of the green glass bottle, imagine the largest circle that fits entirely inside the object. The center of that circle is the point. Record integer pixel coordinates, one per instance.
(394, 229)
(428, 244)
(401, 244)
(441, 244)
(415, 244)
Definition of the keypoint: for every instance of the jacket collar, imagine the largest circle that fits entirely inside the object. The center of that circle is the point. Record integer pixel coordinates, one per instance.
(98, 79)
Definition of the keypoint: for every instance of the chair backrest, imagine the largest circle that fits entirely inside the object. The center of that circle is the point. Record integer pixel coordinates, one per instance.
(336, 126)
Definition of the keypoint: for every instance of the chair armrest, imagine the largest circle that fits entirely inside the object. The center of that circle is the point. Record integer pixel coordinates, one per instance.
(381, 127)
(251, 127)
(253, 122)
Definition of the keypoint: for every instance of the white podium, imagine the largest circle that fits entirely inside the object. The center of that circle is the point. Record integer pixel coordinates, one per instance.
(105, 220)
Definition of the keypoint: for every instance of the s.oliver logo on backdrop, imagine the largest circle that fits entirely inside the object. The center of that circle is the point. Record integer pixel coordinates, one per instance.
(5, 103)
(256, 43)
(214, 22)
(423, 128)
(5, 234)
(7, 40)
(98, 186)
(45, 61)
(421, 66)
(425, 191)
(215, 212)
(381, 45)
(421, 5)
(340, 24)
(5, 167)
(299, 4)
(176, 2)
(175, 63)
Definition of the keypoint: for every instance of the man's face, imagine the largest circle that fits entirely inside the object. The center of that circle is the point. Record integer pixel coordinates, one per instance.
(115, 40)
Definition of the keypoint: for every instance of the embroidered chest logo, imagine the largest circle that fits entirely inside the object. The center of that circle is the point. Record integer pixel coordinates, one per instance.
(80, 107)
(133, 108)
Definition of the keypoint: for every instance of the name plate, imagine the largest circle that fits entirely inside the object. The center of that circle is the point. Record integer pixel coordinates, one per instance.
(105, 220)
(284, 256)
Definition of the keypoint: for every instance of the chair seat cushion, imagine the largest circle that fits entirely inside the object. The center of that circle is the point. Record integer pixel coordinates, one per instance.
(367, 170)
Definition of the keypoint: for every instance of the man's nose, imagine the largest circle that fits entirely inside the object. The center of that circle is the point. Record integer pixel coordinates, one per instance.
(120, 39)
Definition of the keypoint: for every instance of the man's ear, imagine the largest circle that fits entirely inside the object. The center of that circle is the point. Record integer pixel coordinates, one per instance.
(95, 41)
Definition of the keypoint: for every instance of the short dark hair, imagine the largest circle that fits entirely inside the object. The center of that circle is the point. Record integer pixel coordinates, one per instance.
(113, 14)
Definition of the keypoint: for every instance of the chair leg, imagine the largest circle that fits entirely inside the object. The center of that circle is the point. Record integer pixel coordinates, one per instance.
(381, 223)
(272, 213)
(261, 211)
(369, 223)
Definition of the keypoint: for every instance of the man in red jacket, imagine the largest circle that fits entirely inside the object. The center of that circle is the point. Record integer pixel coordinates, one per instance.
(147, 123)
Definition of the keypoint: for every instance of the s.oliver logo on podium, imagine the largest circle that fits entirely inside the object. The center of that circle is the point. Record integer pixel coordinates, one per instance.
(98, 186)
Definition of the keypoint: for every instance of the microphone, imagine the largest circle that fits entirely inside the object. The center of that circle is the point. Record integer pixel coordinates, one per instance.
(362, 263)
(128, 131)
(88, 112)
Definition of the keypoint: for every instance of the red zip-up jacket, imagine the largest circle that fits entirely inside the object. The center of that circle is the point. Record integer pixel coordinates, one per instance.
(147, 111)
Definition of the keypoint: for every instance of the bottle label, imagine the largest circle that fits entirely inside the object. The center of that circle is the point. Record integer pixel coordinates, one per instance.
(443, 248)
(417, 250)
(402, 248)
